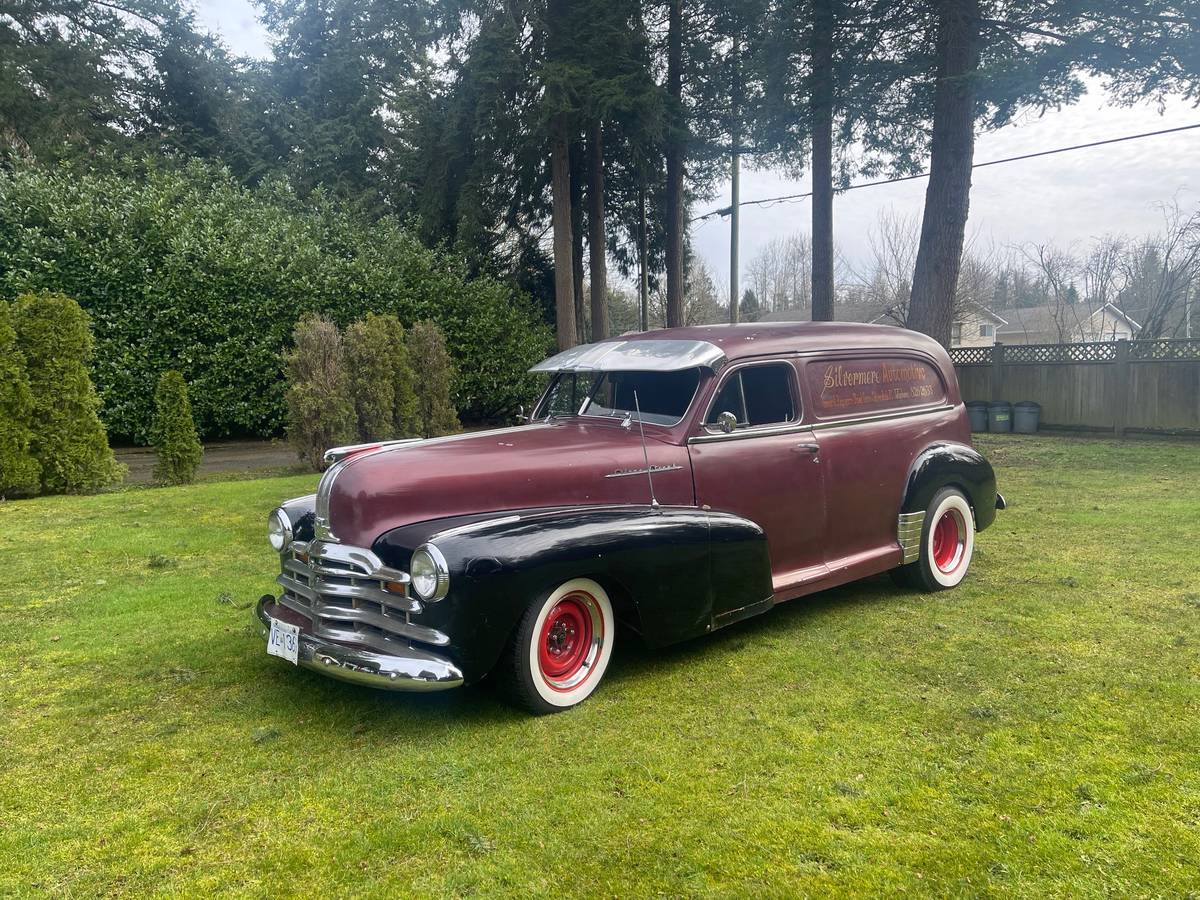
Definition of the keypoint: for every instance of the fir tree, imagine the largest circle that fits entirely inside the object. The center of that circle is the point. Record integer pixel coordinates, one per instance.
(320, 411)
(68, 439)
(380, 378)
(18, 469)
(173, 433)
(435, 410)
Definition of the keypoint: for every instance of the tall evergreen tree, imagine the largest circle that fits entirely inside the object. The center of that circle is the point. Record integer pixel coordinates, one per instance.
(345, 73)
(68, 75)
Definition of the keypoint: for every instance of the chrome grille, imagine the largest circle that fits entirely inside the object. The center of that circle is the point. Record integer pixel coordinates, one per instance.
(341, 589)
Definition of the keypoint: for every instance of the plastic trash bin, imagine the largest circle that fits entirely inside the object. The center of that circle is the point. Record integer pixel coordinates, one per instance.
(977, 412)
(1000, 416)
(1026, 416)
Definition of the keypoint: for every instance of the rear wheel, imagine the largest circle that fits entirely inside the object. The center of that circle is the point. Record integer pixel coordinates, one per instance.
(562, 646)
(947, 544)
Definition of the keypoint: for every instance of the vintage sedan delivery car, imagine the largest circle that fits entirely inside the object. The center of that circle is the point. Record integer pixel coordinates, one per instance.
(674, 481)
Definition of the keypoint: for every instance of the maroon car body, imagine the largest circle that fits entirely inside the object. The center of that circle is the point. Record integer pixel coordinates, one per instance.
(692, 476)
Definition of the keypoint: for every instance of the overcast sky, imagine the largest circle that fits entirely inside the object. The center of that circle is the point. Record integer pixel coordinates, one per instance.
(1067, 198)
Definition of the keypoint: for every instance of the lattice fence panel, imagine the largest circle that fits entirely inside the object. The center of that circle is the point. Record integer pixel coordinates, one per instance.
(1165, 349)
(1095, 351)
(971, 356)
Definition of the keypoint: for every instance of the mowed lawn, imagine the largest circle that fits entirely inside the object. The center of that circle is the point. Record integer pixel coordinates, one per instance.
(1035, 732)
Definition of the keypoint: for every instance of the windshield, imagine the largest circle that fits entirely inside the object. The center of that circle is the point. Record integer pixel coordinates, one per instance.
(664, 397)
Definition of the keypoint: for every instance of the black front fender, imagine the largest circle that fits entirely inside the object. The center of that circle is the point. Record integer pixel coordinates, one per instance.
(665, 568)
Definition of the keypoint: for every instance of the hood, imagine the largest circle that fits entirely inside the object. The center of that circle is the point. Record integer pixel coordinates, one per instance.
(569, 463)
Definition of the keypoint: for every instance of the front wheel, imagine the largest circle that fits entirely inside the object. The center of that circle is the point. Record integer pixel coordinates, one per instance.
(562, 646)
(947, 544)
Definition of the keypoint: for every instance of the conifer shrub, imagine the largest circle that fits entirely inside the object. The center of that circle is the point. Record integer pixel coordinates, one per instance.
(433, 381)
(370, 372)
(19, 471)
(404, 398)
(173, 432)
(320, 411)
(67, 437)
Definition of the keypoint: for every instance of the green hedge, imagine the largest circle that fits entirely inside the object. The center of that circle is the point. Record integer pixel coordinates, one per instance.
(184, 269)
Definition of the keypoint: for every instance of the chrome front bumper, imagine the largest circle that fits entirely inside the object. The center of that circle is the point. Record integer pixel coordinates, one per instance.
(412, 670)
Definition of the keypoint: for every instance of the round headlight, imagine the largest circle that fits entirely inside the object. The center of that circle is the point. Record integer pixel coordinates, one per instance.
(429, 572)
(279, 530)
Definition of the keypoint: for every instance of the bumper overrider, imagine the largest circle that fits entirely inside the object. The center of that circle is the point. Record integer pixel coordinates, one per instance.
(413, 669)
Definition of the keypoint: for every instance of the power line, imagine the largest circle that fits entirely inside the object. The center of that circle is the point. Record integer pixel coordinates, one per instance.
(787, 198)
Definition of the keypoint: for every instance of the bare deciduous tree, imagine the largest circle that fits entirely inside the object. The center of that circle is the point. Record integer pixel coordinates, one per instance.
(887, 281)
(1162, 273)
(1058, 269)
(781, 273)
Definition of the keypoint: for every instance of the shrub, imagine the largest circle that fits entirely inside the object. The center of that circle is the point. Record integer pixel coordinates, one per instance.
(435, 410)
(404, 397)
(68, 439)
(320, 412)
(19, 471)
(173, 433)
(185, 269)
(380, 378)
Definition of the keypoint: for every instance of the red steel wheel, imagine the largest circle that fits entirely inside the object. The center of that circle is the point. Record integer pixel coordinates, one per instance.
(947, 544)
(566, 639)
(948, 541)
(562, 646)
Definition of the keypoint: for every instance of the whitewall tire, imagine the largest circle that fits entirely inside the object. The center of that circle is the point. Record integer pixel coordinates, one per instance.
(947, 544)
(562, 646)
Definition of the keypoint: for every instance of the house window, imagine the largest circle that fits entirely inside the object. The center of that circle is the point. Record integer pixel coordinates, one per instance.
(986, 331)
(956, 333)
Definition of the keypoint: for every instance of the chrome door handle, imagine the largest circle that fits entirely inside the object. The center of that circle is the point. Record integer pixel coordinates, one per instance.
(807, 448)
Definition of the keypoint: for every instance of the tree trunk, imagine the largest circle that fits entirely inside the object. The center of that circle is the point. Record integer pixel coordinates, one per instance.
(952, 149)
(821, 107)
(597, 242)
(676, 146)
(577, 166)
(560, 186)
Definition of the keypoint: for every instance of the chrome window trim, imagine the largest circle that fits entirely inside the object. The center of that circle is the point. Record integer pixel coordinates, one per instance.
(713, 432)
(747, 433)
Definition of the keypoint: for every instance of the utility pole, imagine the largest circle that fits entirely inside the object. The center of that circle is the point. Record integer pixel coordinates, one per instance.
(735, 213)
(643, 282)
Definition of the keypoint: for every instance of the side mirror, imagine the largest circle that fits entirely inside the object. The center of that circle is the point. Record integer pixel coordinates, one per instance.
(727, 422)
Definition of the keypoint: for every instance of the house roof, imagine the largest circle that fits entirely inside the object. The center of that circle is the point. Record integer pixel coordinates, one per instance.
(1051, 322)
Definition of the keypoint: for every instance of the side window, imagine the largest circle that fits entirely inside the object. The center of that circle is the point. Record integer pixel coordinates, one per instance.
(865, 385)
(757, 395)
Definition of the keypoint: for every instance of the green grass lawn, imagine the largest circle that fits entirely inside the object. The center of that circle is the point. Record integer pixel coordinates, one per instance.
(1035, 732)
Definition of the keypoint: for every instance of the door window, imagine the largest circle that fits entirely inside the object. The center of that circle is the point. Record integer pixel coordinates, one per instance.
(756, 395)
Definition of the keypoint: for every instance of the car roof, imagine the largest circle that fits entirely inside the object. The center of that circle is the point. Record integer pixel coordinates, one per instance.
(770, 338)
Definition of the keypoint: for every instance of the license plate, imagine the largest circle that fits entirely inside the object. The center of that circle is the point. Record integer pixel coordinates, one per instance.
(284, 641)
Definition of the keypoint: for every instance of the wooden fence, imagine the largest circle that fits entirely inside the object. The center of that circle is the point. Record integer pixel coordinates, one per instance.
(1118, 386)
